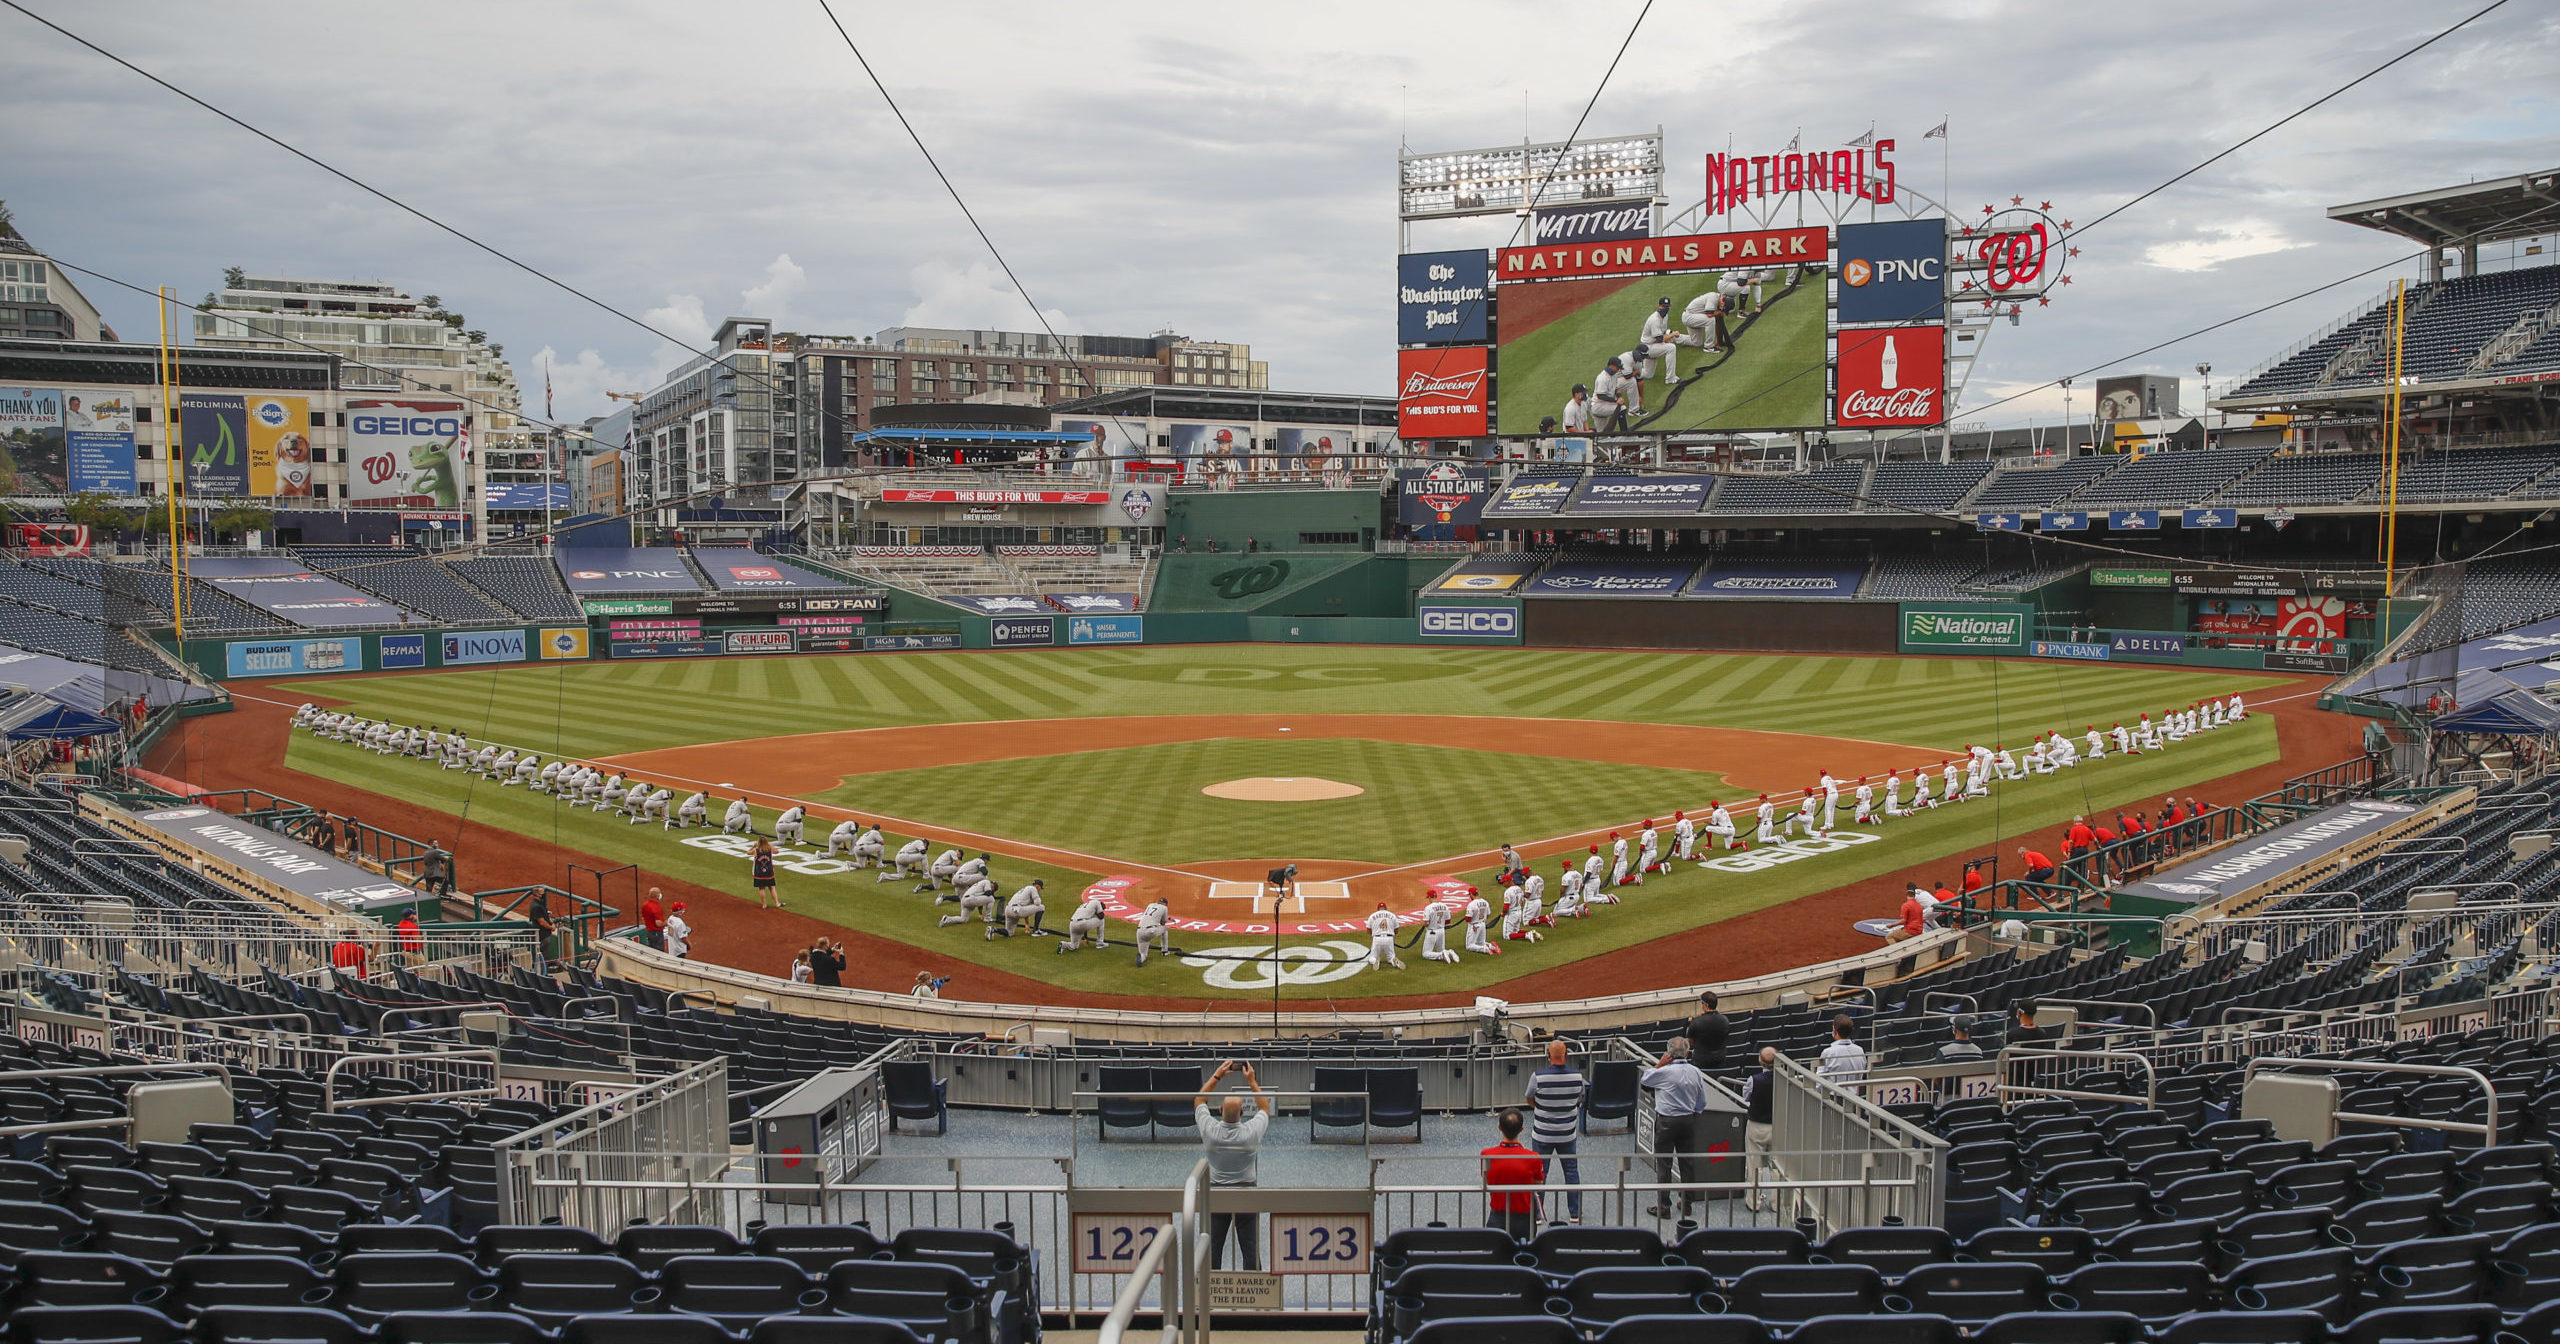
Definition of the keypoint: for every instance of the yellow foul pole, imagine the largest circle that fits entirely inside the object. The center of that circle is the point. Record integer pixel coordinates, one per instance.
(177, 456)
(2391, 445)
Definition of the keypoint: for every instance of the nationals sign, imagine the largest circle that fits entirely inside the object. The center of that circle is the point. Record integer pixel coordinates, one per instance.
(1893, 376)
(1442, 394)
(1697, 252)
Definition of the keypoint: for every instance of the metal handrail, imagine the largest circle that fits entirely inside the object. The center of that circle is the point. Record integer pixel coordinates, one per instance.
(105, 1071)
(329, 1080)
(2150, 1076)
(2150, 1015)
(2487, 1130)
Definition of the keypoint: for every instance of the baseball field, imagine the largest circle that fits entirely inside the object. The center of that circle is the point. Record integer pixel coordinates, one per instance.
(1079, 766)
(1556, 333)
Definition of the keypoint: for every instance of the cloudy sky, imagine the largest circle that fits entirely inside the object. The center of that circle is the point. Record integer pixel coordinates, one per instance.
(1225, 171)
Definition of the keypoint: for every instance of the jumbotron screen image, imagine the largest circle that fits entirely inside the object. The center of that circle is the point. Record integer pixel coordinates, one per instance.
(1711, 331)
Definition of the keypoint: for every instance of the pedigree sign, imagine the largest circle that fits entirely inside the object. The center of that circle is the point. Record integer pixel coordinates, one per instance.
(1694, 252)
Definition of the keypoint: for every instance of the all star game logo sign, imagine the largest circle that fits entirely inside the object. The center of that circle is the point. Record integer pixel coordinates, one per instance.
(1445, 494)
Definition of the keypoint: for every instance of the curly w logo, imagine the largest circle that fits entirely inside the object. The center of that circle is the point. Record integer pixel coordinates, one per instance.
(1250, 580)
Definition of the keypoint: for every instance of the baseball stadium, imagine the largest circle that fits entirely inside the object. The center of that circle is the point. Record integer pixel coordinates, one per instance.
(1658, 831)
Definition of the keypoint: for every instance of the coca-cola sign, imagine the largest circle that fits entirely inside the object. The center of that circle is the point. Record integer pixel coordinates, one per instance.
(1441, 394)
(1893, 376)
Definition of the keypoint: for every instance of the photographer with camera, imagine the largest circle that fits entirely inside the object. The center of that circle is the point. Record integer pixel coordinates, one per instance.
(929, 985)
(1232, 1140)
(826, 963)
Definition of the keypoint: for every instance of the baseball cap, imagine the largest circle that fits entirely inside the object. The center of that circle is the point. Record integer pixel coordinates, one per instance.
(1579, 388)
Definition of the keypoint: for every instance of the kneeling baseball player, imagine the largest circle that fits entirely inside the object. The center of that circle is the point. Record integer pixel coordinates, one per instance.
(696, 811)
(739, 820)
(1382, 938)
(1028, 908)
(907, 862)
(980, 897)
(1155, 926)
(1435, 934)
(788, 828)
(945, 869)
(1085, 919)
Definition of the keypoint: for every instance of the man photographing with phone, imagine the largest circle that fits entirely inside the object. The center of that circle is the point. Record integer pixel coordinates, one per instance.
(1232, 1140)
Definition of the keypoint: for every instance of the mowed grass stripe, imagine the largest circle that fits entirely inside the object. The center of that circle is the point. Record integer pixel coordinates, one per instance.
(1013, 680)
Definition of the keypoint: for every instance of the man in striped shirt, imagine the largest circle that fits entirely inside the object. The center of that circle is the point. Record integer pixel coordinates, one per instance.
(1555, 1098)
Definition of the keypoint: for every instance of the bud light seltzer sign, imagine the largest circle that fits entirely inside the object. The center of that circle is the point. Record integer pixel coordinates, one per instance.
(1893, 376)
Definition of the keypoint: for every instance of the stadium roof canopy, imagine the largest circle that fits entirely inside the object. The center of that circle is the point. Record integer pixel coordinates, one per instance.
(2523, 206)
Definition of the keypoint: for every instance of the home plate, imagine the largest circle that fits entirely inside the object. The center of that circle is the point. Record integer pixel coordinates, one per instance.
(1236, 891)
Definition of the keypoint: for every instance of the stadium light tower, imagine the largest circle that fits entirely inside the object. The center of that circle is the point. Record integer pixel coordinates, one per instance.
(2204, 402)
(2067, 446)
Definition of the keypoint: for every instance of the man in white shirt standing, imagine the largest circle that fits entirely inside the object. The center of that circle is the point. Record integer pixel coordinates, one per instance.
(1844, 1061)
(1232, 1139)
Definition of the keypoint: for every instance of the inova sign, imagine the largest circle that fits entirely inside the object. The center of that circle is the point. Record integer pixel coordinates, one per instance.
(1926, 628)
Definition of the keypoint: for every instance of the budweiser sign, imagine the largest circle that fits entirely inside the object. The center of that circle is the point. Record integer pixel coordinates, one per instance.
(1441, 394)
(1893, 377)
(1460, 386)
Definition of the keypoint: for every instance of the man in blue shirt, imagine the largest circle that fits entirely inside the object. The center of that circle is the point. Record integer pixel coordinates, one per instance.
(1556, 1094)
(1679, 1100)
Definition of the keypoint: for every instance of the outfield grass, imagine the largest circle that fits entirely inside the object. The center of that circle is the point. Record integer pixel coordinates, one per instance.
(1773, 379)
(1421, 802)
(606, 708)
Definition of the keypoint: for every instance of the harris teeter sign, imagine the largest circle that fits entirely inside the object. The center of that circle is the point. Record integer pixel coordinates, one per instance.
(1989, 629)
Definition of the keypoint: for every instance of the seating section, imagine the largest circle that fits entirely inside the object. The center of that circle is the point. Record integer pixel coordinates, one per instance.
(2307, 479)
(527, 585)
(2034, 487)
(2170, 480)
(1832, 489)
(2481, 326)
(2495, 594)
(2472, 473)
(408, 576)
(935, 571)
(1931, 577)
(1933, 487)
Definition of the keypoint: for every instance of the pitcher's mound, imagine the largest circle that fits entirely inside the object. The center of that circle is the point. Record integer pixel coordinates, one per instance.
(1290, 789)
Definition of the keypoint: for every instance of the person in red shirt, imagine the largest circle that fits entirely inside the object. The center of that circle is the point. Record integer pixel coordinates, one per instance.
(1974, 880)
(2105, 861)
(653, 920)
(2038, 864)
(1508, 1166)
(2080, 839)
(1951, 907)
(349, 955)
(411, 940)
(1915, 917)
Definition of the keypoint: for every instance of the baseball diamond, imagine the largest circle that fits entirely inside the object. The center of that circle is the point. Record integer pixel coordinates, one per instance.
(1087, 768)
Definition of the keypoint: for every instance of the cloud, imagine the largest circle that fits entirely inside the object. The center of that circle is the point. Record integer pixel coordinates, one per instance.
(578, 385)
(771, 298)
(2213, 244)
(975, 296)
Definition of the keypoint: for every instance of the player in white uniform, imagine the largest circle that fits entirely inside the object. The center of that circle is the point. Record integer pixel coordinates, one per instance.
(1830, 802)
(907, 862)
(1768, 816)
(788, 828)
(1893, 793)
(501, 768)
(615, 791)
(1720, 827)
(694, 811)
(1952, 791)
(1649, 851)
(869, 848)
(1612, 390)
(2239, 711)
(1808, 814)
(739, 820)
(1655, 341)
(655, 805)
(1591, 875)
(1086, 918)
(970, 870)
(1977, 782)
(1569, 905)
(1866, 795)
(1516, 927)
(1478, 911)
(1382, 938)
(549, 779)
(527, 770)
(2038, 761)
(2097, 744)
(1620, 874)
(1577, 412)
(980, 897)
(1704, 317)
(1435, 934)
(1155, 924)
(840, 840)
(1684, 836)
(1027, 903)
(946, 868)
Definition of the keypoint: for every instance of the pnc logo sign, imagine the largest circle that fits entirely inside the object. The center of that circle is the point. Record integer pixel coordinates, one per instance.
(1857, 272)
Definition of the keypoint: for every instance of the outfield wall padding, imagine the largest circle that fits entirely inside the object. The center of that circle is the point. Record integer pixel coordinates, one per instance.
(1688, 623)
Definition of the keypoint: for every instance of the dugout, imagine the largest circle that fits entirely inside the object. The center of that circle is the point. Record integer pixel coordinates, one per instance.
(1722, 624)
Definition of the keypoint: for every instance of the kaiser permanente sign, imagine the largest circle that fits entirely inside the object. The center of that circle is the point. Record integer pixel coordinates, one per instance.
(2255, 863)
(1984, 628)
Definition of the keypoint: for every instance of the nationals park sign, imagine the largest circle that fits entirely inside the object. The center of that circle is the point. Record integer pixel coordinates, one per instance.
(1990, 628)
